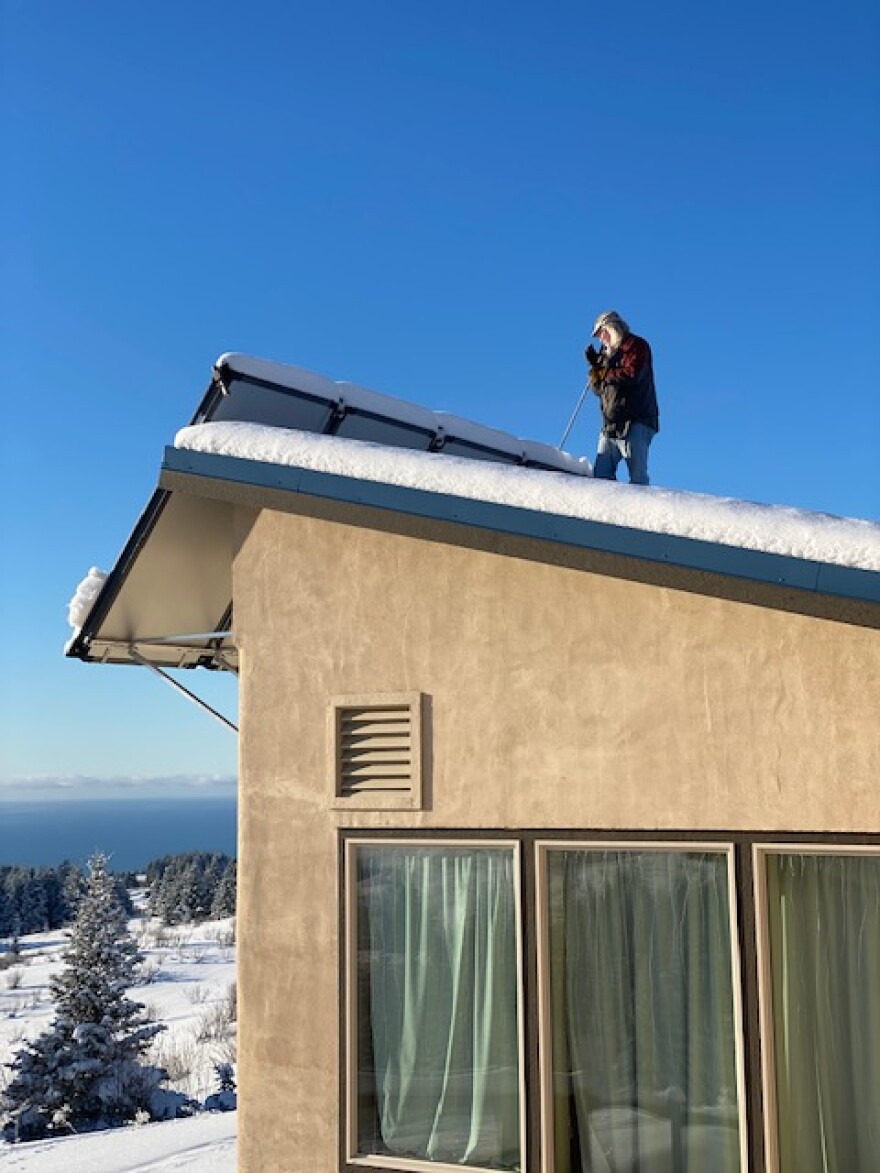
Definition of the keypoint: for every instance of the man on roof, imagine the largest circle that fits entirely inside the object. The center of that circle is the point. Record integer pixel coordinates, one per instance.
(622, 375)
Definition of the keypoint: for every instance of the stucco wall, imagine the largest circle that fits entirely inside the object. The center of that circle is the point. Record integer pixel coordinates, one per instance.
(560, 697)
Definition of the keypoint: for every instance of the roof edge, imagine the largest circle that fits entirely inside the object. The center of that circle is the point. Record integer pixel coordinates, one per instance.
(690, 553)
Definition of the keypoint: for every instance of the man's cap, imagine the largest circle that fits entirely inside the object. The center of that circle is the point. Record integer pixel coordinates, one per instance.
(609, 318)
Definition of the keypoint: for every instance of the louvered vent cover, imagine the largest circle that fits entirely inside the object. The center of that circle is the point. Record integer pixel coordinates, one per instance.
(378, 750)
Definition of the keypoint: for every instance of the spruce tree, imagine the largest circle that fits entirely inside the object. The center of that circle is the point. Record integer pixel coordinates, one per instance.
(223, 903)
(35, 903)
(85, 1070)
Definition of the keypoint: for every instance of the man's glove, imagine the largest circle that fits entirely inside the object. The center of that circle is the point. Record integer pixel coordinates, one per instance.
(592, 355)
(597, 375)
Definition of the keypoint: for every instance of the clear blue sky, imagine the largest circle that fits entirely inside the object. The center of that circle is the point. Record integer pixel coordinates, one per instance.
(433, 201)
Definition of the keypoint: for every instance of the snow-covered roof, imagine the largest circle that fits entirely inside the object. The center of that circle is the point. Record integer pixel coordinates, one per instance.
(264, 428)
(793, 533)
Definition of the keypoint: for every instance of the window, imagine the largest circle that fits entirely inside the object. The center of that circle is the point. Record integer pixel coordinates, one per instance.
(641, 1022)
(435, 1021)
(820, 1008)
(631, 997)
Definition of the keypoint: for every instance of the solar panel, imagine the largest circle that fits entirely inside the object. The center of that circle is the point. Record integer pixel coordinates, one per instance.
(254, 390)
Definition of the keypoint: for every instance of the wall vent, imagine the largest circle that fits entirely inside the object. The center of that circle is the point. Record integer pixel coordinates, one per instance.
(377, 751)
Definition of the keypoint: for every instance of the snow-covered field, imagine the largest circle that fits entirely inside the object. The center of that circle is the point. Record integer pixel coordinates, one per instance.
(191, 988)
(202, 1144)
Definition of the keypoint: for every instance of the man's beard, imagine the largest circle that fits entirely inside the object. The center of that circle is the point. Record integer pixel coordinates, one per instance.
(614, 339)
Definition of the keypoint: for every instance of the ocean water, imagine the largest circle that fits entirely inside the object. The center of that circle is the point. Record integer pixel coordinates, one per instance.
(132, 831)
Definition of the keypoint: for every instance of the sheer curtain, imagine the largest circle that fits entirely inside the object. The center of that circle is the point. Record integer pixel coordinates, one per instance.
(824, 928)
(437, 1005)
(643, 1022)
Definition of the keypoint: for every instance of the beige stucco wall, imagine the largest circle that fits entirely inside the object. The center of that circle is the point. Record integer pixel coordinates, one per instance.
(561, 696)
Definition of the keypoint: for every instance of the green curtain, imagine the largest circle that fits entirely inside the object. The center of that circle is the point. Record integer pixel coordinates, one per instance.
(643, 1021)
(824, 918)
(437, 997)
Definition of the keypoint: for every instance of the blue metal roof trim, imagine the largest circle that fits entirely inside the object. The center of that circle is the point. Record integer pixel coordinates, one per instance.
(691, 553)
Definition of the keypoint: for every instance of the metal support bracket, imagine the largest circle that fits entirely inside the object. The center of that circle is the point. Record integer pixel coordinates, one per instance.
(338, 412)
(197, 700)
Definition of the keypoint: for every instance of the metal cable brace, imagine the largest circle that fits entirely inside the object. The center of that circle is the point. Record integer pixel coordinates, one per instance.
(197, 700)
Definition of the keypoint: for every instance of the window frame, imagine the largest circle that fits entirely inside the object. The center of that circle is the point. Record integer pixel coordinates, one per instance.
(761, 849)
(349, 1070)
(543, 848)
(747, 880)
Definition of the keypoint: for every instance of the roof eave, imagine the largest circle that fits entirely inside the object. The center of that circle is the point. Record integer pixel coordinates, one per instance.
(198, 469)
(168, 598)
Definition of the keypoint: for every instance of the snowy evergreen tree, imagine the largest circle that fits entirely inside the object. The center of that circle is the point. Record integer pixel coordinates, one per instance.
(57, 908)
(225, 1098)
(35, 899)
(188, 887)
(225, 1077)
(73, 887)
(85, 1070)
(223, 903)
(31, 902)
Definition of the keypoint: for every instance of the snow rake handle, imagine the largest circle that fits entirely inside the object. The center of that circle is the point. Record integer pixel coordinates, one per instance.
(574, 414)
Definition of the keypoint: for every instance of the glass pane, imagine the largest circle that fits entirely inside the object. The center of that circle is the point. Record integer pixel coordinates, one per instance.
(643, 1021)
(824, 918)
(437, 988)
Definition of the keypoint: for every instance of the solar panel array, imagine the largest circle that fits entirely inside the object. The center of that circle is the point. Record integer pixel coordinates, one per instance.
(256, 391)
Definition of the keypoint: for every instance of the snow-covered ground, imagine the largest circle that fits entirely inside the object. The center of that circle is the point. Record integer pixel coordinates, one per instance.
(202, 1144)
(191, 971)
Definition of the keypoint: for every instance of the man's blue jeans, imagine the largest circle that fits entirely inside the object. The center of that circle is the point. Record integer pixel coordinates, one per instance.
(633, 448)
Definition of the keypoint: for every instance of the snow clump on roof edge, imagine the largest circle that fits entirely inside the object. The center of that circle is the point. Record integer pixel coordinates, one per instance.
(84, 598)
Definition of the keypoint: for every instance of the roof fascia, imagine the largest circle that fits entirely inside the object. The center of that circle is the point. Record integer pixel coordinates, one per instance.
(690, 553)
